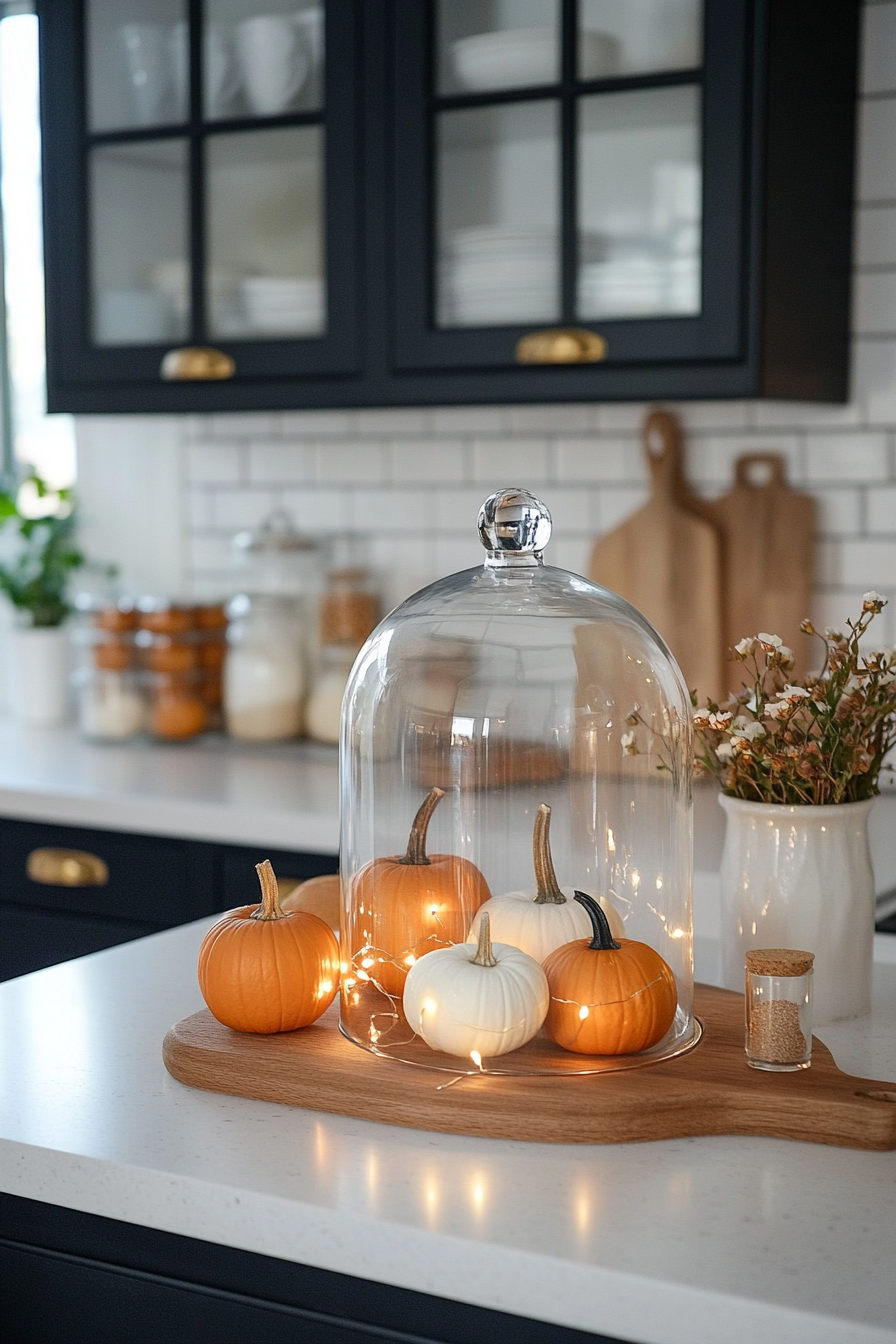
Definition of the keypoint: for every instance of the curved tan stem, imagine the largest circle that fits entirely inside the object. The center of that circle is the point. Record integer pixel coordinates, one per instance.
(270, 896)
(415, 855)
(484, 954)
(547, 886)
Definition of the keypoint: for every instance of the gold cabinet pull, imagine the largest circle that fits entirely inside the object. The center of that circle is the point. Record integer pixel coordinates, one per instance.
(66, 868)
(561, 345)
(197, 364)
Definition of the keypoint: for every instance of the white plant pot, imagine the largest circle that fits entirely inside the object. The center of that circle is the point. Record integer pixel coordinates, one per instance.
(801, 877)
(40, 676)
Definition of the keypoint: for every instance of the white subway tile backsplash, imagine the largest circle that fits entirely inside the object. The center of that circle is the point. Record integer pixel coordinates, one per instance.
(838, 457)
(614, 506)
(572, 553)
(243, 508)
(877, 162)
(839, 512)
(277, 463)
(879, 49)
(310, 425)
(571, 510)
(882, 510)
(317, 510)
(454, 508)
(698, 415)
(470, 419)
(597, 459)
(435, 461)
(869, 563)
(510, 461)
(876, 233)
(550, 419)
(217, 463)
(710, 461)
(874, 303)
(875, 380)
(351, 463)
(404, 423)
(391, 510)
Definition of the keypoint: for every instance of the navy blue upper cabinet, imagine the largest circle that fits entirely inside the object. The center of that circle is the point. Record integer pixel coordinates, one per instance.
(288, 203)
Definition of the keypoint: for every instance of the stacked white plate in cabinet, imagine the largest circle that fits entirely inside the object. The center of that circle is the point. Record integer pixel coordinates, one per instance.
(496, 275)
(283, 305)
(512, 58)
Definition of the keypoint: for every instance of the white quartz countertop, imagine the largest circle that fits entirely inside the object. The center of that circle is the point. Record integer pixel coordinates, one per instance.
(681, 1242)
(285, 796)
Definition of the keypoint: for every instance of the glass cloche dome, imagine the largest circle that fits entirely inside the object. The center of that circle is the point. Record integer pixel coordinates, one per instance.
(515, 741)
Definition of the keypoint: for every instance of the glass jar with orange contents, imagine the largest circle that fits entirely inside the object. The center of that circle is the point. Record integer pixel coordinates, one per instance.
(111, 700)
(170, 649)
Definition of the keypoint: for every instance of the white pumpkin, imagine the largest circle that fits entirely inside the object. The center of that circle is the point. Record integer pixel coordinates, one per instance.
(490, 1002)
(540, 921)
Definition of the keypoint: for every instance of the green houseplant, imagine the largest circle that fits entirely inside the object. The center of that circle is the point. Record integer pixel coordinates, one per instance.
(37, 556)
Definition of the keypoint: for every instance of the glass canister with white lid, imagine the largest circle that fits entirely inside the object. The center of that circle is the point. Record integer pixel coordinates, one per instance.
(516, 743)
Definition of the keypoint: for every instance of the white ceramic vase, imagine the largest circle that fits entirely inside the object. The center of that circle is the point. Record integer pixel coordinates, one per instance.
(801, 877)
(40, 675)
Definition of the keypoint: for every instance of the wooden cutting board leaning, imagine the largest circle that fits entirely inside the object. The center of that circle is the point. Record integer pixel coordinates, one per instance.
(768, 533)
(708, 572)
(667, 561)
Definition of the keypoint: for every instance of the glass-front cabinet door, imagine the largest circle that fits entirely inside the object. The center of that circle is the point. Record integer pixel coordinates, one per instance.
(217, 194)
(568, 182)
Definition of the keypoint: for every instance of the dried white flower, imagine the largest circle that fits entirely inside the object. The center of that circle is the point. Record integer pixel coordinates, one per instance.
(770, 641)
(720, 720)
(873, 601)
(794, 694)
(724, 751)
(745, 646)
(749, 732)
(629, 745)
(778, 709)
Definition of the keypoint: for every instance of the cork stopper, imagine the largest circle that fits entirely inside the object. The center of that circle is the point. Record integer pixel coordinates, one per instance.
(778, 961)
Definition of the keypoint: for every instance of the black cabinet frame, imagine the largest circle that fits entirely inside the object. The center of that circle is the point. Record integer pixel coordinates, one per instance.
(779, 89)
(73, 361)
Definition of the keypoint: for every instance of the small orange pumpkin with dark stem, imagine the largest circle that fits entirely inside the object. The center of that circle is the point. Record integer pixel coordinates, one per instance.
(264, 969)
(409, 904)
(608, 997)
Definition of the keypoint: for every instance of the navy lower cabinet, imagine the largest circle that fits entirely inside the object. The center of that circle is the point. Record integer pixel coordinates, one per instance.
(112, 887)
(424, 202)
(81, 1279)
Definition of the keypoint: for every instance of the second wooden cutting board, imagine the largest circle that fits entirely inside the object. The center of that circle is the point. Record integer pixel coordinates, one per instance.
(768, 534)
(667, 562)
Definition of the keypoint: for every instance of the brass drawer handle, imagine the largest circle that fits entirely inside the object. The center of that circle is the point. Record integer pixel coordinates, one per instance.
(197, 364)
(561, 345)
(66, 868)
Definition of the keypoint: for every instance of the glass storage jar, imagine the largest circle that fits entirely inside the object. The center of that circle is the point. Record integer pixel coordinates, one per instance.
(491, 706)
(111, 700)
(264, 670)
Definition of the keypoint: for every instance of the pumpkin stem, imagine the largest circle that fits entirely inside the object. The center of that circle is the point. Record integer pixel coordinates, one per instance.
(484, 954)
(415, 855)
(548, 889)
(603, 940)
(270, 895)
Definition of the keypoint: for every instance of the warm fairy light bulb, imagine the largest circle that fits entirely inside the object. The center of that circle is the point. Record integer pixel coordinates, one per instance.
(476, 1058)
(367, 963)
(428, 1006)
(583, 1012)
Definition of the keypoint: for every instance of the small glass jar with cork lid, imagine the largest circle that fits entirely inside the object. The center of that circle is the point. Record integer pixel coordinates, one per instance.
(779, 1009)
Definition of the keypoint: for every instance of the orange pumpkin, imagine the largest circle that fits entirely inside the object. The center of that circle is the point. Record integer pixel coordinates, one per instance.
(319, 896)
(411, 903)
(263, 969)
(608, 997)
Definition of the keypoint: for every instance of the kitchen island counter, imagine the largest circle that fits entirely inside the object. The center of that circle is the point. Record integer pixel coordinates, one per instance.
(689, 1240)
(285, 795)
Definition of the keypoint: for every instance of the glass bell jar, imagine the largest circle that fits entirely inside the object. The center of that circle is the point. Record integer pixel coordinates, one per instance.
(516, 842)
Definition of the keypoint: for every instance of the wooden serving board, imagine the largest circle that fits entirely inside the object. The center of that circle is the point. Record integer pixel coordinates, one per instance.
(667, 562)
(710, 1090)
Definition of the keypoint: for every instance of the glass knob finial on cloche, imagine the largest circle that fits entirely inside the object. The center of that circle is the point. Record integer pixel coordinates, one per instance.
(514, 527)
